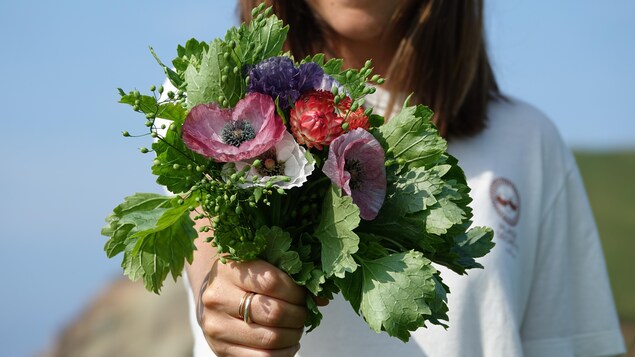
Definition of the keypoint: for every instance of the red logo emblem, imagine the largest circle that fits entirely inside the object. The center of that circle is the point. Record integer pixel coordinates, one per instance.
(506, 200)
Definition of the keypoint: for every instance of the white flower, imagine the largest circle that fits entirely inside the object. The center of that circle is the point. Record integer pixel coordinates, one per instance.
(287, 164)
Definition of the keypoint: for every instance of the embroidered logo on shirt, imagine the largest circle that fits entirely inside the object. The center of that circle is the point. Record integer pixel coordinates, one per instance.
(506, 200)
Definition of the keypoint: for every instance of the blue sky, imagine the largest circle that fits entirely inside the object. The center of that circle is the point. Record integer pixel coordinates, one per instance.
(66, 165)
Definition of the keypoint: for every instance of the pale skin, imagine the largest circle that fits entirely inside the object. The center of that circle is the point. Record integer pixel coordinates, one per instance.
(278, 309)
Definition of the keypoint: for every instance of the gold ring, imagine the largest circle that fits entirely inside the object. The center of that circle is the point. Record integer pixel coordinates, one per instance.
(247, 305)
(243, 307)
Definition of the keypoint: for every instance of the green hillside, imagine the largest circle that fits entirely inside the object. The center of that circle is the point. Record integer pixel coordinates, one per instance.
(609, 178)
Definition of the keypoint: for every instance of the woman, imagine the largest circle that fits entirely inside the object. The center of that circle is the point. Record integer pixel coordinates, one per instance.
(544, 289)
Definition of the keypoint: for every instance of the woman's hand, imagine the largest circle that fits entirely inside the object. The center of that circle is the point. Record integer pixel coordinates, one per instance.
(276, 313)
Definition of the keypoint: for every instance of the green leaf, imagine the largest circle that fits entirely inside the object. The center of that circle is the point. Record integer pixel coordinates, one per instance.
(335, 231)
(176, 163)
(150, 105)
(412, 137)
(397, 292)
(277, 251)
(475, 243)
(190, 54)
(155, 234)
(261, 39)
(214, 78)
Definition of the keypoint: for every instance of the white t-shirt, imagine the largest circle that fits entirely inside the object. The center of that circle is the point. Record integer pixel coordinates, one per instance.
(544, 290)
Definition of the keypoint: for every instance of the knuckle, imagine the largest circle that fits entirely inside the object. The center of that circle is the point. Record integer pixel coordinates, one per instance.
(274, 315)
(270, 339)
(267, 282)
(211, 298)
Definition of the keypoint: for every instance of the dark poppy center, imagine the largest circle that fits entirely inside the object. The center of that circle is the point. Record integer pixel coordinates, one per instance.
(270, 166)
(356, 170)
(237, 132)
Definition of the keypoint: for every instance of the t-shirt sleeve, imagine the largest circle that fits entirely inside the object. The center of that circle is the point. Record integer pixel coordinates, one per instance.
(570, 311)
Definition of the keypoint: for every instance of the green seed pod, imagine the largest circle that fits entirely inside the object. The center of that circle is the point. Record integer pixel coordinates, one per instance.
(368, 63)
(148, 123)
(153, 88)
(125, 133)
(375, 78)
(344, 126)
(161, 89)
(223, 78)
(268, 11)
(334, 90)
(144, 150)
(354, 106)
(381, 81)
(135, 108)
(156, 162)
(232, 44)
(180, 201)
(162, 126)
(239, 210)
(401, 161)
(281, 191)
(336, 100)
(236, 70)
(368, 112)
(256, 163)
(349, 74)
(225, 103)
(389, 163)
(136, 94)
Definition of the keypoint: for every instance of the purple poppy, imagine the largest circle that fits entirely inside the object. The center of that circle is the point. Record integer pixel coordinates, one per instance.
(228, 135)
(279, 78)
(356, 165)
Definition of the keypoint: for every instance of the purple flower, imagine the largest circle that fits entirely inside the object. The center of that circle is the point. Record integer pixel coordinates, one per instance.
(227, 135)
(279, 78)
(356, 165)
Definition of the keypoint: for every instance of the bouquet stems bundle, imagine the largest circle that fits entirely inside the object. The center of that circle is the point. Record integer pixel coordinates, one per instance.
(282, 161)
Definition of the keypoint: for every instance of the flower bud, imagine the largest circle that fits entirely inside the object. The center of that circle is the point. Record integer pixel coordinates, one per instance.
(144, 150)
(125, 133)
(153, 88)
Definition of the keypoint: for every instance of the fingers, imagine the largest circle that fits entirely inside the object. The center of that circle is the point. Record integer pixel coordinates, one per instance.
(263, 278)
(225, 331)
(263, 310)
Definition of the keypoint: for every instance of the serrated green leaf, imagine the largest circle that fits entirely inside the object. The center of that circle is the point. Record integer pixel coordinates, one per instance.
(205, 84)
(257, 41)
(277, 251)
(171, 150)
(412, 137)
(335, 231)
(475, 243)
(397, 291)
(154, 233)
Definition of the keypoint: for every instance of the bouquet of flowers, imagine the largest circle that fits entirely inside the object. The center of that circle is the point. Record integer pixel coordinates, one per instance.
(283, 162)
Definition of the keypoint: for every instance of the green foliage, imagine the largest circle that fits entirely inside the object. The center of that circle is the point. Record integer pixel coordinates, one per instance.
(155, 234)
(214, 80)
(412, 137)
(277, 249)
(176, 165)
(335, 231)
(261, 39)
(395, 293)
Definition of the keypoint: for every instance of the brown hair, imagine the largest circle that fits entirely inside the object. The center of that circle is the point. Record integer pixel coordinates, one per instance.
(441, 57)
